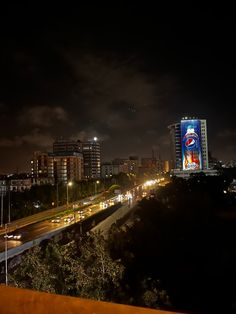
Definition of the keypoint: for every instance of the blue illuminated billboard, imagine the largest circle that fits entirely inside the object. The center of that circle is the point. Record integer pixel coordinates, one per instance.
(191, 144)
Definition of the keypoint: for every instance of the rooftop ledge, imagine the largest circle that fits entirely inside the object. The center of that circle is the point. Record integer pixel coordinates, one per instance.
(14, 300)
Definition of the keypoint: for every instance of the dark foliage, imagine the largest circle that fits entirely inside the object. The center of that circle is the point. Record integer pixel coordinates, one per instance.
(182, 242)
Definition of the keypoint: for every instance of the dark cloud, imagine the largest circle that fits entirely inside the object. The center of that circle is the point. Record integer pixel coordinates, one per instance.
(227, 134)
(120, 75)
(34, 138)
(43, 116)
(115, 93)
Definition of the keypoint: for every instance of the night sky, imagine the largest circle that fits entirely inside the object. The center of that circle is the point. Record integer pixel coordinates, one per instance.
(119, 70)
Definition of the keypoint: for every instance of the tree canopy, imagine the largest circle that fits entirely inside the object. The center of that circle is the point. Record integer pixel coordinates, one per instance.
(80, 268)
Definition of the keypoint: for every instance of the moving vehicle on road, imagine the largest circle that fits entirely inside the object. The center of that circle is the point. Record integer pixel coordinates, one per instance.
(69, 219)
(56, 220)
(13, 236)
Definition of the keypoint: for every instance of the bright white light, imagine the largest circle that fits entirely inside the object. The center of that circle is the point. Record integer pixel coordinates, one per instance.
(95, 138)
(150, 182)
(225, 192)
(129, 195)
(70, 183)
(120, 198)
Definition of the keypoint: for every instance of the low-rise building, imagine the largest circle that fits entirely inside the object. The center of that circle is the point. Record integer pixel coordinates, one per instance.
(185, 174)
(20, 185)
(111, 168)
(15, 183)
(3, 185)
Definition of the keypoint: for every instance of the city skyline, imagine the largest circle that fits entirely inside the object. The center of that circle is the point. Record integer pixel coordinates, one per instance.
(92, 73)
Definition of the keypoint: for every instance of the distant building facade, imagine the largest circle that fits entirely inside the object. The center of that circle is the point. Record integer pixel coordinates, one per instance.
(64, 167)
(3, 186)
(70, 160)
(125, 165)
(15, 183)
(20, 185)
(108, 169)
(39, 165)
(232, 187)
(175, 138)
(148, 166)
(133, 165)
(166, 166)
(149, 163)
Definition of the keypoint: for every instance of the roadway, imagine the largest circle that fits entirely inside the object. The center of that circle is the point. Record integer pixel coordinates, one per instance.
(59, 222)
(34, 231)
(30, 229)
(104, 225)
(47, 214)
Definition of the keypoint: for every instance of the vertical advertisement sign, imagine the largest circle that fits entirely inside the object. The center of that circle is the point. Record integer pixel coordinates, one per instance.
(191, 144)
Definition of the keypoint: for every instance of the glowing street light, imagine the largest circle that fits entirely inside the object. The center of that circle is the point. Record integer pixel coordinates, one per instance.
(96, 183)
(67, 198)
(120, 198)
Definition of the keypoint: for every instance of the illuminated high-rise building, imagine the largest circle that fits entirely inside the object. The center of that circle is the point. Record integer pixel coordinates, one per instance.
(204, 144)
(66, 146)
(175, 137)
(91, 150)
(189, 146)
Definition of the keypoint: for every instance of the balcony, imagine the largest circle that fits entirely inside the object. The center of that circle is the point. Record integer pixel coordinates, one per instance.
(14, 300)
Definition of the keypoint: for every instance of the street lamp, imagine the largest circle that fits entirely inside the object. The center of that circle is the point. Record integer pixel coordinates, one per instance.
(2, 195)
(57, 195)
(6, 248)
(67, 198)
(96, 182)
(9, 203)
